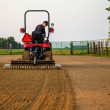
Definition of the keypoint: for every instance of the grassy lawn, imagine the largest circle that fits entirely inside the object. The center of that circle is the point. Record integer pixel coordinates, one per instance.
(13, 51)
(68, 52)
(54, 51)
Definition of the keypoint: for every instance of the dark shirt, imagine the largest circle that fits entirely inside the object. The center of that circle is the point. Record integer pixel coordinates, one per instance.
(40, 30)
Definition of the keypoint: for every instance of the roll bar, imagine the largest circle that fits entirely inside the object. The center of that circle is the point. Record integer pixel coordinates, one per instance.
(25, 20)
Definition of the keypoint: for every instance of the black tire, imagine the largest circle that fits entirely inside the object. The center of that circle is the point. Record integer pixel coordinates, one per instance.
(26, 55)
(40, 53)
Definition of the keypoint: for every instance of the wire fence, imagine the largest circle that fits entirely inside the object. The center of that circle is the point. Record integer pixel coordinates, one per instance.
(97, 47)
(67, 48)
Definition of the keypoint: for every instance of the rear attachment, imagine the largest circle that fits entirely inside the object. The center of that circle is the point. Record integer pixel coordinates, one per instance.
(40, 65)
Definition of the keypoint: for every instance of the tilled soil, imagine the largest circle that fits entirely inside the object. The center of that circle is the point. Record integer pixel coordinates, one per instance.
(36, 90)
(92, 86)
(82, 84)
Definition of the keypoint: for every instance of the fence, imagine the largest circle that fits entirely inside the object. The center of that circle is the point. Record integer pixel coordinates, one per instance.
(99, 47)
(67, 48)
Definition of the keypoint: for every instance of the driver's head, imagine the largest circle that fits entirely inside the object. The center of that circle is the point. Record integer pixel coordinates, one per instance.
(45, 23)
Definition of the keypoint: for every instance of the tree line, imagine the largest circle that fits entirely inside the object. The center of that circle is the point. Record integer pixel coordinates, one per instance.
(108, 9)
(8, 43)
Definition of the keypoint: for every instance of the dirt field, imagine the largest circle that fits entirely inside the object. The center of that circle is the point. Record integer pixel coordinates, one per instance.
(35, 90)
(82, 84)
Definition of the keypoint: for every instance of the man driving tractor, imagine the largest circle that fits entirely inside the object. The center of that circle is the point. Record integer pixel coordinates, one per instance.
(37, 53)
(39, 33)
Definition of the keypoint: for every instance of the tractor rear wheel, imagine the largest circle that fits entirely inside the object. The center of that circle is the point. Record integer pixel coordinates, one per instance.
(26, 55)
(48, 55)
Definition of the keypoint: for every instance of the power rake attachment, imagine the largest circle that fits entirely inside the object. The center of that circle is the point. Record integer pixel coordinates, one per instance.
(40, 65)
(29, 65)
(37, 55)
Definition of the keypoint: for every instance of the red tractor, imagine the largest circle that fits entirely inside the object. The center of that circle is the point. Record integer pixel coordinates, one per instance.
(35, 55)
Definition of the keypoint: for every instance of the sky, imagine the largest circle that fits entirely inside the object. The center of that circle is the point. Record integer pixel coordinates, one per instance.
(74, 20)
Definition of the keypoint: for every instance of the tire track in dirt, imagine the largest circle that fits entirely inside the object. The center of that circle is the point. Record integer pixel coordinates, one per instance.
(33, 95)
(47, 98)
(15, 99)
(60, 95)
(57, 100)
(36, 90)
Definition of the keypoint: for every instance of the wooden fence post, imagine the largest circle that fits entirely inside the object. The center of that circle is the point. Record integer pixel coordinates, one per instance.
(91, 47)
(107, 48)
(71, 48)
(102, 51)
(94, 48)
(61, 48)
(99, 52)
(88, 47)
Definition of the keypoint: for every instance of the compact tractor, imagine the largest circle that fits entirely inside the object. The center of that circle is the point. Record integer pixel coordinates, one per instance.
(35, 55)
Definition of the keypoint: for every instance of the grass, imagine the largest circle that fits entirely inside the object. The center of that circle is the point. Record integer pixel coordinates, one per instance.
(55, 52)
(13, 51)
(97, 55)
(68, 52)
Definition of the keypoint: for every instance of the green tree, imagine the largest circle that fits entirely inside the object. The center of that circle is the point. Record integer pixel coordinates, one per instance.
(3, 43)
(108, 9)
(9, 43)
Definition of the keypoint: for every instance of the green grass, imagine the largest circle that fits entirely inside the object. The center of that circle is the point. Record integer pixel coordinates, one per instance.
(13, 51)
(97, 55)
(67, 52)
(55, 52)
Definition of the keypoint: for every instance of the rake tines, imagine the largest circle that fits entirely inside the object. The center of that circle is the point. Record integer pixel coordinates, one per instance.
(34, 67)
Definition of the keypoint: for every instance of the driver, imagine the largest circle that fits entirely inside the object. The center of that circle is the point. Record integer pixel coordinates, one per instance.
(39, 33)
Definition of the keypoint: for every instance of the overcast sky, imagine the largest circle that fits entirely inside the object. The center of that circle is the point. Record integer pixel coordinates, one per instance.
(73, 19)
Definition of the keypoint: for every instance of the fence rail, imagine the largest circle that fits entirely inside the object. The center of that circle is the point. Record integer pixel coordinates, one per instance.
(99, 47)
